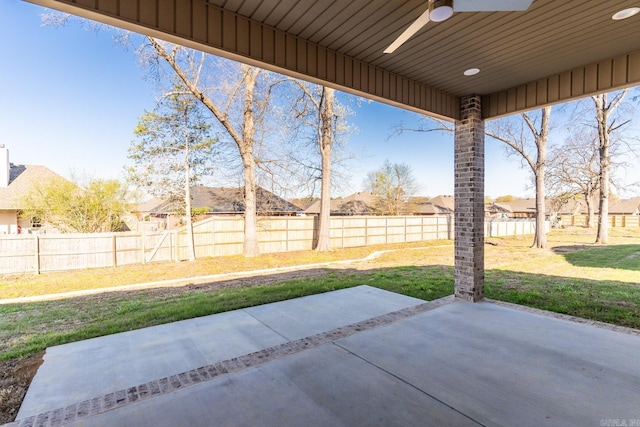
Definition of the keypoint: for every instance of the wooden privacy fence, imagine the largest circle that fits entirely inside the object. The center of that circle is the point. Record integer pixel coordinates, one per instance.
(511, 227)
(219, 236)
(614, 220)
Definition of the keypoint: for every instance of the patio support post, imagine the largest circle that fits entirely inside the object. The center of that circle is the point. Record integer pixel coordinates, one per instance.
(469, 201)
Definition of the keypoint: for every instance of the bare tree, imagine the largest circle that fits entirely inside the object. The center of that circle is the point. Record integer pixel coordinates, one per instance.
(239, 105)
(235, 102)
(606, 125)
(324, 106)
(392, 184)
(557, 202)
(532, 147)
(428, 124)
(573, 169)
(320, 124)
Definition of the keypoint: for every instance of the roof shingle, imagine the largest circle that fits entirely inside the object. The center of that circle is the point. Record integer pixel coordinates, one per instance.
(224, 200)
(22, 179)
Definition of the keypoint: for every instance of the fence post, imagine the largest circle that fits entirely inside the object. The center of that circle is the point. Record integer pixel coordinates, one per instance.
(113, 250)
(37, 254)
(213, 236)
(386, 229)
(143, 247)
(287, 234)
(366, 231)
(177, 246)
(405, 229)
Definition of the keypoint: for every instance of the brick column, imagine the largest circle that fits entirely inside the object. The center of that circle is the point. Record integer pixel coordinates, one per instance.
(469, 201)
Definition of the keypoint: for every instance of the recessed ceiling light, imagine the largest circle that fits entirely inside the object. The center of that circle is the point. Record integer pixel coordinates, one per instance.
(472, 71)
(626, 13)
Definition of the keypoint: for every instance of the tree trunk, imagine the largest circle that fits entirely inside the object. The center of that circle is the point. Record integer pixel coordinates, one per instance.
(603, 217)
(191, 247)
(540, 240)
(326, 142)
(590, 213)
(397, 201)
(250, 215)
(602, 236)
(250, 75)
(542, 138)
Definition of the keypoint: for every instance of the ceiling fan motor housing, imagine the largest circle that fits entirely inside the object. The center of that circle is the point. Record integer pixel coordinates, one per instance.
(440, 10)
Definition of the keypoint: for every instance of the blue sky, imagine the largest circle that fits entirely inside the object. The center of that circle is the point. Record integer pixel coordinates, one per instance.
(71, 99)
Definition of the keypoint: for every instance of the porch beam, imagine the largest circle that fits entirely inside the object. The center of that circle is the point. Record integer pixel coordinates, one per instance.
(610, 74)
(204, 26)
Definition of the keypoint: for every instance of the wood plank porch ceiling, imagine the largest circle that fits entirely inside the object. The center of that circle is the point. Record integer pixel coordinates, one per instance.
(556, 51)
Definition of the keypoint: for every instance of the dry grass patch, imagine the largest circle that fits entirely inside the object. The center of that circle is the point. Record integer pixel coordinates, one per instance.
(58, 282)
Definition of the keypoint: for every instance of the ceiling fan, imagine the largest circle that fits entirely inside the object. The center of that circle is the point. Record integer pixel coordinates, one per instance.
(441, 10)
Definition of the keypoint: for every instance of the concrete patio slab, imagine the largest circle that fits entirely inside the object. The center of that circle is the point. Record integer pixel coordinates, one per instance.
(302, 317)
(441, 363)
(324, 386)
(501, 366)
(83, 370)
(78, 371)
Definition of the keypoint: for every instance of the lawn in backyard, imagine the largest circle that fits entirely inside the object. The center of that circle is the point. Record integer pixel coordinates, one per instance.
(573, 277)
(596, 282)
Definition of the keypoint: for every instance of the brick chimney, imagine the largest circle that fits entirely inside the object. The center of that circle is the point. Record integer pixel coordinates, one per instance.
(4, 166)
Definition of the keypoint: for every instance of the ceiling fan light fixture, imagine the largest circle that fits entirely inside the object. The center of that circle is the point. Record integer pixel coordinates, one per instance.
(626, 13)
(440, 10)
(471, 71)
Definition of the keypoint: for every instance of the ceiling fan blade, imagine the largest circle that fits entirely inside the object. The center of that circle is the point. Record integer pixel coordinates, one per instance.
(410, 31)
(491, 5)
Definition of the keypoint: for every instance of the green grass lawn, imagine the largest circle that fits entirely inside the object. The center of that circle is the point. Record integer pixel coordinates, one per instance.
(625, 257)
(596, 282)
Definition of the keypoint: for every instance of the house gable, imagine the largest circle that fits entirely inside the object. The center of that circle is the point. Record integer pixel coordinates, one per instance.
(22, 179)
(224, 201)
(361, 203)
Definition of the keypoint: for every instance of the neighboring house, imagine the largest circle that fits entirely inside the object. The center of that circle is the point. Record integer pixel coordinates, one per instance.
(572, 207)
(216, 201)
(364, 203)
(439, 205)
(444, 203)
(497, 210)
(145, 219)
(361, 203)
(526, 208)
(15, 182)
(625, 207)
(304, 202)
(521, 208)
